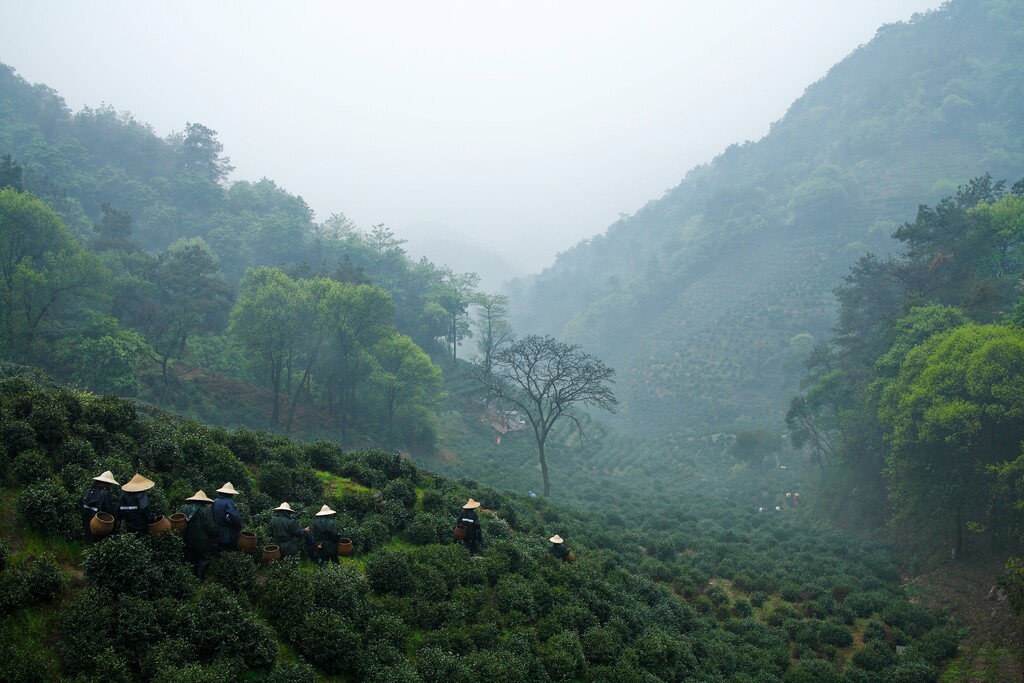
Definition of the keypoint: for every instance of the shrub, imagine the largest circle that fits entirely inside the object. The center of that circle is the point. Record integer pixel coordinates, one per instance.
(171, 653)
(330, 642)
(562, 656)
(234, 571)
(833, 633)
(388, 571)
(874, 657)
(299, 672)
(914, 619)
(342, 589)
(324, 455)
(937, 645)
(24, 661)
(30, 467)
(401, 490)
(48, 507)
(122, 564)
(84, 630)
(428, 528)
(601, 645)
(813, 670)
(874, 630)
(436, 666)
(286, 599)
(911, 672)
(512, 593)
(224, 629)
(136, 628)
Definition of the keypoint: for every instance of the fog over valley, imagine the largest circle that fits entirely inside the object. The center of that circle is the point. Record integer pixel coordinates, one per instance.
(577, 342)
(522, 127)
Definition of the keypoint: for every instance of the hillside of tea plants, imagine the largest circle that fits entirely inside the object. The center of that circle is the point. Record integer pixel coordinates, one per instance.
(663, 588)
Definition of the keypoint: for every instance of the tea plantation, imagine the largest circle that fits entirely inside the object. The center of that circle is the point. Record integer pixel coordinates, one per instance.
(695, 588)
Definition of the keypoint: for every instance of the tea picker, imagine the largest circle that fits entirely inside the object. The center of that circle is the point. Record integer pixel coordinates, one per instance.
(133, 511)
(201, 534)
(227, 517)
(326, 536)
(560, 550)
(467, 527)
(98, 499)
(286, 530)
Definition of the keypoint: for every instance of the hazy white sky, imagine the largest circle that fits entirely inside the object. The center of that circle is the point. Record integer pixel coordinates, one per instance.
(525, 126)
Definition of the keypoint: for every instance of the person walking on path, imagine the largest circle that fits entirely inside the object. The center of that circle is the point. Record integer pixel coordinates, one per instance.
(287, 532)
(326, 536)
(559, 549)
(201, 534)
(468, 518)
(227, 517)
(98, 499)
(133, 511)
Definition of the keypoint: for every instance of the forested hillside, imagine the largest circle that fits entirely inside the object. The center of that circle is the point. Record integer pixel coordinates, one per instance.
(131, 265)
(717, 592)
(706, 300)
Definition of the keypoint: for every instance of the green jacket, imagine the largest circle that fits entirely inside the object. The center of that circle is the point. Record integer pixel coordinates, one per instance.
(287, 533)
(325, 530)
(201, 533)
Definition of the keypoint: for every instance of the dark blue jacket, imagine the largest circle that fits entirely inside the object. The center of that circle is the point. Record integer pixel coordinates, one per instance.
(227, 518)
(133, 512)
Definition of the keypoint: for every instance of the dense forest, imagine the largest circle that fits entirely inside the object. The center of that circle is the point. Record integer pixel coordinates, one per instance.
(792, 451)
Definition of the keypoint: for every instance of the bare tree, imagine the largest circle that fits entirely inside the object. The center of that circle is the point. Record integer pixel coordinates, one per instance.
(545, 378)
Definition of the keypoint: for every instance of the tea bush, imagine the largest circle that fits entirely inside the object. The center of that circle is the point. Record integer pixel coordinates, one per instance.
(330, 642)
(388, 571)
(32, 581)
(49, 508)
(236, 571)
(120, 564)
(435, 665)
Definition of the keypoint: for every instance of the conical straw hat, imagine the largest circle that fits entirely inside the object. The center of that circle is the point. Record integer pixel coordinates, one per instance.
(200, 497)
(228, 488)
(324, 511)
(470, 504)
(285, 507)
(556, 539)
(138, 483)
(107, 478)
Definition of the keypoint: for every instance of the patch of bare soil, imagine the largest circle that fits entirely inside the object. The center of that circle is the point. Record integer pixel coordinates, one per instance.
(968, 590)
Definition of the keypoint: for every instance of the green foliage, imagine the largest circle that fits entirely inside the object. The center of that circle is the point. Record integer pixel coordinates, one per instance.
(330, 642)
(31, 581)
(224, 629)
(122, 564)
(388, 571)
(234, 571)
(49, 508)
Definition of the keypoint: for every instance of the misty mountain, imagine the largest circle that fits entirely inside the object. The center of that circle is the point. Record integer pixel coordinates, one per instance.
(707, 299)
(459, 252)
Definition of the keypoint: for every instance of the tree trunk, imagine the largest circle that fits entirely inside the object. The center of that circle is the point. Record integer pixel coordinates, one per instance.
(544, 469)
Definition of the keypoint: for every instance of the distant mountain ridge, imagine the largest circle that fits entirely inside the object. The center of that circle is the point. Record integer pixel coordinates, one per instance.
(704, 299)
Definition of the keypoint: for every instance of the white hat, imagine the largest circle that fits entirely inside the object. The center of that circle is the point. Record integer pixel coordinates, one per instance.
(138, 483)
(285, 507)
(200, 497)
(228, 488)
(324, 511)
(107, 478)
(556, 539)
(470, 504)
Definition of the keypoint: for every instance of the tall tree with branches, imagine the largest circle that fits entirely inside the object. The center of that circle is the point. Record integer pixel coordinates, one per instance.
(546, 379)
